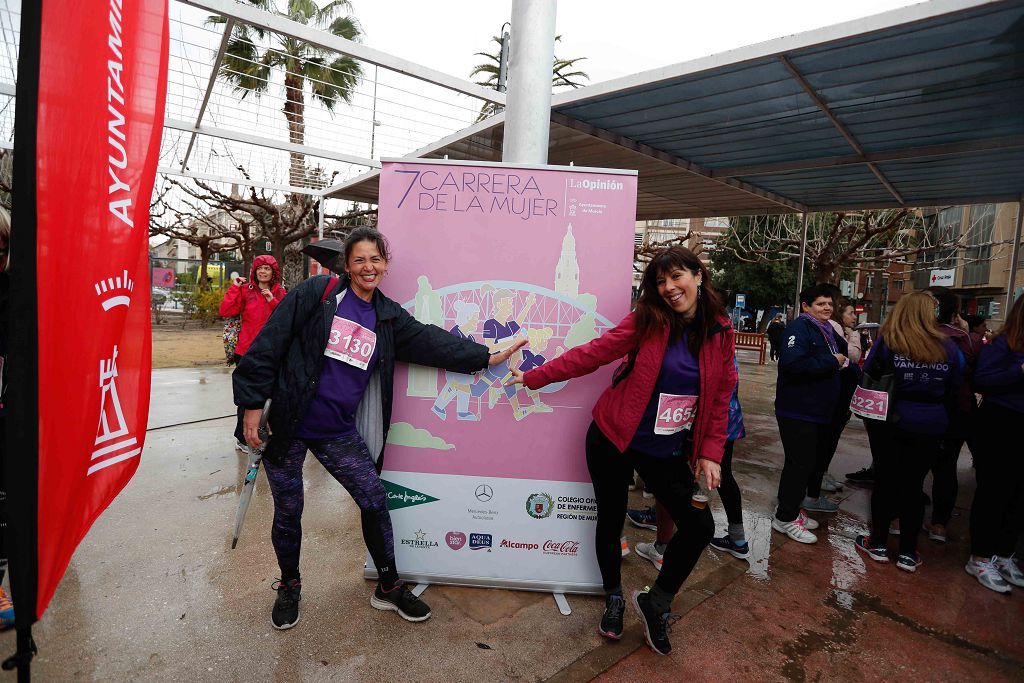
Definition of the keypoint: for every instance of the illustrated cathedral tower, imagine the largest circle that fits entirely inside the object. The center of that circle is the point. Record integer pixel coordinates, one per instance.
(567, 272)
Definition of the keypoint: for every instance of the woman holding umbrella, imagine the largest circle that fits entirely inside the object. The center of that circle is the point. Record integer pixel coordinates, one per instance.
(254, 300)
(327, 359)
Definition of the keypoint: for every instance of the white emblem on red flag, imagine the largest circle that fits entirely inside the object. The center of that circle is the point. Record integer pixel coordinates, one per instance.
(115, 291)
(112, 426)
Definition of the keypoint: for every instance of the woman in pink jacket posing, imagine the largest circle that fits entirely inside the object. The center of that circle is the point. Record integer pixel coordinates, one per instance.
(670, 394)
(253, 299)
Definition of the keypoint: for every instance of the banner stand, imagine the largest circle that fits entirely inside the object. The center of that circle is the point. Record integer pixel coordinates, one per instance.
(22, 659)
(20, 459)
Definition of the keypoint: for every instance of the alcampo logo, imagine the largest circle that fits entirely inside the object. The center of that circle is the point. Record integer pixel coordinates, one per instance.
(518, 545)
(539, 505)
(402, 497)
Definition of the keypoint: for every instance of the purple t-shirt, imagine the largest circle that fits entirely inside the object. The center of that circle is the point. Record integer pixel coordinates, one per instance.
(498, 331)
(332, 413)
(923, 393)
(531, 360)
(679, 375)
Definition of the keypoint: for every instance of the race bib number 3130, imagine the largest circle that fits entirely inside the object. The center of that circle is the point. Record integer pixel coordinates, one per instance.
(351, 343)
(675, 413)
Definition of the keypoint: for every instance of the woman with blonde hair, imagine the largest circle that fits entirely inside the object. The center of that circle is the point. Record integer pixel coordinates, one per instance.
(927, 369)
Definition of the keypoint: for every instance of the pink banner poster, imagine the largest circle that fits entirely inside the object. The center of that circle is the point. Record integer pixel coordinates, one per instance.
(495, 253)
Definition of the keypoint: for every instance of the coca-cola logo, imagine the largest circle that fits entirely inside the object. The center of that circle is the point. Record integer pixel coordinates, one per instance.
(561, 547)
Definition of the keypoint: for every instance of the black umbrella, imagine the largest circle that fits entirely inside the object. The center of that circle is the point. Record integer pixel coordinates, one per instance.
(326, 252)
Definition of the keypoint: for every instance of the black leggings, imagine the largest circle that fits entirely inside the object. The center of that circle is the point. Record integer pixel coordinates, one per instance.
(348, 461)
(671, 482)
(997, 514)
(729, 490)
(945, 486)
(830, 436)
(806, 446)
(901, 464)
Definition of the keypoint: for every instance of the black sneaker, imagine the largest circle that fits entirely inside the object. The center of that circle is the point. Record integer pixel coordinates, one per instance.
(726, 544)
(286, 607)
(864, 477)
(400, 599)
(655, 625)
(611, 622)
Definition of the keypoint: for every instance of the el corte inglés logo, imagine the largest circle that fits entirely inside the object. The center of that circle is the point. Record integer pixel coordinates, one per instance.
(402, 497)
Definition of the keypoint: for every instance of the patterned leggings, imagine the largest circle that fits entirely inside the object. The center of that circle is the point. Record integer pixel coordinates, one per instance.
(348, 461)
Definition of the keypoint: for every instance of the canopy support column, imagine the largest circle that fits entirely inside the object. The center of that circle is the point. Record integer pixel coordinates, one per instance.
(800, 264)
(1014, 260)
(528, 112)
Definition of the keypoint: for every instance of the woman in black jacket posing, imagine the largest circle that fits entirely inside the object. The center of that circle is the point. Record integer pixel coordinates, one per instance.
(327, 358)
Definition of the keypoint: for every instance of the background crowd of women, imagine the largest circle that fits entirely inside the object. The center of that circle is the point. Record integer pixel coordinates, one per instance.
(949, 386)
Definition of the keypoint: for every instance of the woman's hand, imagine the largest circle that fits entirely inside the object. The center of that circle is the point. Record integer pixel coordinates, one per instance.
(712, 472)
(502, 356)
(841, 359)
(251, 427)
(267, 294)
(517, 376)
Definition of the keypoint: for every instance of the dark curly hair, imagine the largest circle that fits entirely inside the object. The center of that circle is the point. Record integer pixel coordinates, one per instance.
(653, 315)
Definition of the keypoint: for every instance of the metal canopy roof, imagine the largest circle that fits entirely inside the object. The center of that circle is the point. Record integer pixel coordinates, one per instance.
(921, 106)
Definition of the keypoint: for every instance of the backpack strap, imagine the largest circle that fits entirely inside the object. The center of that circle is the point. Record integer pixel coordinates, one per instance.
(331, 283)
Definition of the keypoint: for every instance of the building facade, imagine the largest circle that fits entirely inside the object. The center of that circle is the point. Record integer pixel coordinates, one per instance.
(979, 270)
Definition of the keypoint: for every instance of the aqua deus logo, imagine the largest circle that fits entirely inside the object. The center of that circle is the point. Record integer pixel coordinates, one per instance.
(480, 542)
(539, 505)
(402, 497)
(420, 541)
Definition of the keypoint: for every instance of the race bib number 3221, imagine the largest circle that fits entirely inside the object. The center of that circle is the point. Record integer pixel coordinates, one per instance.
(675, 413)
(351, 343)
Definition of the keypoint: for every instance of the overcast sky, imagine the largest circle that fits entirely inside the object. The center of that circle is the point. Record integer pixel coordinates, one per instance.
(617, 38)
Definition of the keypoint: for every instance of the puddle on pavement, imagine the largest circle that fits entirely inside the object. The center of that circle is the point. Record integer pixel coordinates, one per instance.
(222, 491)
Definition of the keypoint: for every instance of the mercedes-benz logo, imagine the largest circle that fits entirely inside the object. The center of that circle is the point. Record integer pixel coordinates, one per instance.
(484, 493)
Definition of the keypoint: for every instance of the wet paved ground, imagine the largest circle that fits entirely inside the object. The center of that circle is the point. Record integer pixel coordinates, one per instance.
(155, 593)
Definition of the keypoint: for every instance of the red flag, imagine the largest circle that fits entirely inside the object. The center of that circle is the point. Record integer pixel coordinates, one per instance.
(102, 82)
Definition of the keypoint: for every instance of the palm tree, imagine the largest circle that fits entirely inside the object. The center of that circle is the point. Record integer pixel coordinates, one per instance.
(561, 74)
(247, 65)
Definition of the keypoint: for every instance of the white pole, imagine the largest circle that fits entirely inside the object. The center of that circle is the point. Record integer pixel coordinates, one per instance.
(800, 265)
(528, 112)
(320, 218)
(1014, 260)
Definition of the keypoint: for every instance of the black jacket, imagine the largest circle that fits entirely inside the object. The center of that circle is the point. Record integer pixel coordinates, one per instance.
(286, 359)
(809, 385)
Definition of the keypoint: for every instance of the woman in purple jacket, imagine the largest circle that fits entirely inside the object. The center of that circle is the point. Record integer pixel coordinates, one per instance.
(998, 509)
(927, 370)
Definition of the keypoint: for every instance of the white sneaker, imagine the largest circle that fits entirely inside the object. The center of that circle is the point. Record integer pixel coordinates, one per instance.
(987, 574)
(243, 448)
(650, 553)
(1009, 570)
(796, 530)
(625, 546)
(809, 522)
(831, 484)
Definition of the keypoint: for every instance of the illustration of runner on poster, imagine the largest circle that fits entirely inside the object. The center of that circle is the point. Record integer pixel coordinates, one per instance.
(487, 483)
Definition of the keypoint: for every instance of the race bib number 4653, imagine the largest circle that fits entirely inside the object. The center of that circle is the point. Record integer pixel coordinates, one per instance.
(675, 413)
(351, 343)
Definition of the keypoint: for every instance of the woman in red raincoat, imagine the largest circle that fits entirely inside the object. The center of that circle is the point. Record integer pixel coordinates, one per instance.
(254, 300)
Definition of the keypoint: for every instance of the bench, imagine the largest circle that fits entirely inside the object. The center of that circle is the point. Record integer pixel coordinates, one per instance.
(752, 341)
